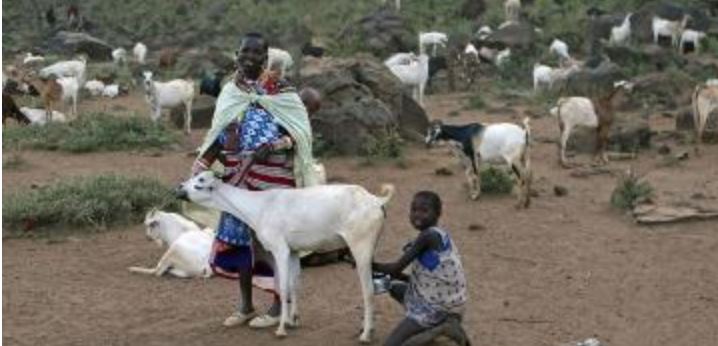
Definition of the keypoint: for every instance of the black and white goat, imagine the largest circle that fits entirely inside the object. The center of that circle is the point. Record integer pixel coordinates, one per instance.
(491, 143)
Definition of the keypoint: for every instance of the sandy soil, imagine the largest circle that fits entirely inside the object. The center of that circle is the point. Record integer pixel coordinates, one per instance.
(566, 269)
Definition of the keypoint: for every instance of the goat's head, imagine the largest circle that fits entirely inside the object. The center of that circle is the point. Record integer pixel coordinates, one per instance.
(433, 132)
(199, 188)
(152, 226)
(147, 80)
(625, 85)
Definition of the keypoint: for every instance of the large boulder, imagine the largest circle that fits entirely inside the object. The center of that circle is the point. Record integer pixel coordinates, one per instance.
(517, 35)
(382, 33)
(667, 89)
(629, 133)
(592, 82)
(202, 111)
(65, 42)
(361, 99)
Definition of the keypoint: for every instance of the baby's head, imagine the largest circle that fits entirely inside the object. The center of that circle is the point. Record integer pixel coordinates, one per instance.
(425, 210)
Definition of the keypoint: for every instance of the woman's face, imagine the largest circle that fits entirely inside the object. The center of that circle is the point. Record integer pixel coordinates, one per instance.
(251, 56)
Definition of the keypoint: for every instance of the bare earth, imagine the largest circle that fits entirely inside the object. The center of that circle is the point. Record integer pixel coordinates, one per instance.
(566, 269)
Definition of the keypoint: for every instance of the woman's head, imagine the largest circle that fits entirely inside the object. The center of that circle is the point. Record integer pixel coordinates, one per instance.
(252, 54)
(425, 210)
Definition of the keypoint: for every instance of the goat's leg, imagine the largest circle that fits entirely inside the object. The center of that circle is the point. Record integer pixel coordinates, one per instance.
(294, 269)
(188, 117)
(362, 248)
(565, 134)
(74, 105)
(162, 265)
(281, 261)
(601, 143)
(473, 172)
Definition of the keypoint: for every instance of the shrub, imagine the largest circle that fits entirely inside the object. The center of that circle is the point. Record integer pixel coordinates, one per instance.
(476, 102)
(91, 132)
(496, 181)
(86, 202)
(630, 191)
(386, 146)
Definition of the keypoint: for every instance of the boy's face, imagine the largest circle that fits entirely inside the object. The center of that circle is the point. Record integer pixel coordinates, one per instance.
(422, 214)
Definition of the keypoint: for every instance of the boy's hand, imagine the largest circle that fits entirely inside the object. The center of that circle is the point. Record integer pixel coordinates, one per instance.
(262, 152)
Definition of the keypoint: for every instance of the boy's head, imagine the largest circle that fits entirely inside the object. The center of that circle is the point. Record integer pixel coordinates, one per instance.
(425, 210)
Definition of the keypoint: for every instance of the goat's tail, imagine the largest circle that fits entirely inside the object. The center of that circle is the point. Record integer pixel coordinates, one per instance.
(387, 192)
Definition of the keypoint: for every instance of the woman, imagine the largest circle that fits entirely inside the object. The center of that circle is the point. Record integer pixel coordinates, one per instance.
(260, 133)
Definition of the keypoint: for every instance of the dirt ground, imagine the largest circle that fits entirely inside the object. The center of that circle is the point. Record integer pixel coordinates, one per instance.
(566, 269)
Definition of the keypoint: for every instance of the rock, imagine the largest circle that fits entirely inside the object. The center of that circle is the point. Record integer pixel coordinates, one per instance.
(628, 134)
(477, 227)
(657, 57)
(685, 122)
(592, 82)
(664, 149)
(516, 36)
(472, 9)
(202, 112)
(656, 214)
(668, 89)
(69, 43)
(361, 99)
(443, 171)
(382, 33)
(560, 191)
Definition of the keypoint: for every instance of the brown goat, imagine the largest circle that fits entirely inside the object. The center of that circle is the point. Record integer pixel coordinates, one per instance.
(605, 111)
(50, 91)
(168, 57)
(10, 110)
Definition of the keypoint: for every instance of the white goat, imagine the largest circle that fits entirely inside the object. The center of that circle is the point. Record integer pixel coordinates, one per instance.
(415, 74)
(502, 57)
(94, 87)
(140, 52)
(119, 56)
(70, 91)
(281, 58)
(39, 116)
(168, 95)
(340, 215)
(513, 10)
(188, 246)
(560, 49)
(622, 33)
(572, 112)
(484, 32)
(400, 59)
(704, 102)
(491, 143)
(664, 27)
(32, 59)
(432, 38)
(691, 36)
(111, 91)
(542, 76)
(69, 68)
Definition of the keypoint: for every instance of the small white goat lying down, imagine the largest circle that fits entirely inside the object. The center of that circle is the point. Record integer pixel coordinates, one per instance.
(415, 74)
(111, 91)
(168, 95)
(491, 143)
(281, 58)
(188, 246)
(704, 102)
(69, 68)
(39, 116)
(94, 87)
(287, 221)
(432, 38)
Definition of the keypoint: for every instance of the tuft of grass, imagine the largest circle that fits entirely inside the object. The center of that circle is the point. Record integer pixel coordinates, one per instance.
(476, 102)
(90, 133)
(629, 191)
(496, 181)
(94, 202)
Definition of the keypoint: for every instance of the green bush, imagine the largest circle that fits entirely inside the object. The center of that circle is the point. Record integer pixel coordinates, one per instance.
(86, 202)
(386, 146)
(630, 191)
(476, 102)
(496, 181)
(91, 132)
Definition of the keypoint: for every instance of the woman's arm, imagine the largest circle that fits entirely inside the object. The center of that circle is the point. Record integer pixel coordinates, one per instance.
(210, 155)
(427, 240)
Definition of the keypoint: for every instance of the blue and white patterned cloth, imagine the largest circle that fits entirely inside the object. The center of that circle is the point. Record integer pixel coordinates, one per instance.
(257, 128)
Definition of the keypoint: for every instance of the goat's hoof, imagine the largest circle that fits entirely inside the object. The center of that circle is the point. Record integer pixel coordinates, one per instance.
(281, 333)
(475, 196)
(365, 336)
(293, 322)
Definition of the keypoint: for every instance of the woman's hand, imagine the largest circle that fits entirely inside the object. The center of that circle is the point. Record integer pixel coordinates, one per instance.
(262, 152)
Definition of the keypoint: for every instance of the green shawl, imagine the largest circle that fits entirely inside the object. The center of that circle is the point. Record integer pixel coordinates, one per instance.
(289, 112)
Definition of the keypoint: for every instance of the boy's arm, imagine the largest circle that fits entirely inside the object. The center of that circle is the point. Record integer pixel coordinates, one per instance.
(425, 241)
